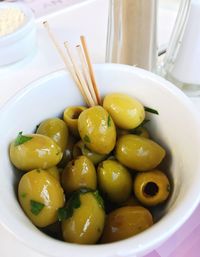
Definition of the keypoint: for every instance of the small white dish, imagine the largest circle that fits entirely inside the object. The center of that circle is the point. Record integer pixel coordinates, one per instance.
(176, 128)
(17, 45)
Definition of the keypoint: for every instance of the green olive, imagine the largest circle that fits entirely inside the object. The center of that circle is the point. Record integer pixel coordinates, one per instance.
(152, 187)
(127, 112)
(38, 152)
(54, 171)
(114, 181)
(87, 222)
(70, 116)
(125, 222)
(56, 129)
(81, 149)
(97, 130)
(40, 196)
(79, 173)
(138, 153)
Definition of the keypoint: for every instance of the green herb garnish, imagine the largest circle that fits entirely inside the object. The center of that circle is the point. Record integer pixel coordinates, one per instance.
(36, 207)
(147, 109)
(109, 121)
(36, 128)
(99, 199)
(21, 139)
(62, 214)
(86, 139)
(145, 121)
(75, 202)
(137, 130)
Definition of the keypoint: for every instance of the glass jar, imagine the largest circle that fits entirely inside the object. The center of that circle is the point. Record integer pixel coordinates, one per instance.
(182, 61)
(131, 37)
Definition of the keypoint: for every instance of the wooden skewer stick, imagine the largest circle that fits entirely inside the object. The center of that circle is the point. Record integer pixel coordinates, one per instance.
(79, 74)
(85, 49)
(66, 62)
(46, 25)
(86, 73)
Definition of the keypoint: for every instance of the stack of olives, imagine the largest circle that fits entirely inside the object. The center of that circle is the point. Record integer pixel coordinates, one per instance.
(94, 173)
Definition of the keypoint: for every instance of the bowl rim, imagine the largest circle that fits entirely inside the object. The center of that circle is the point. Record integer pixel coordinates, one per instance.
(120, 248)
(23, 29)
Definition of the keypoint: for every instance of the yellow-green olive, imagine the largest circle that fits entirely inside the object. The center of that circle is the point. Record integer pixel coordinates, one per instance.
(152, 187)
(139, 153)
(126, 111)
(81, 149)
(38, 152)
(114, 180)
(40, 196)
(70, 116)
(56, 129)
(97, 130)
(79, 173)
(126, 222)
(54, 171)
(87, 222)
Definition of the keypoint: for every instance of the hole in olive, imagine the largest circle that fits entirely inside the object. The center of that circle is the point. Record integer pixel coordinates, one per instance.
(76, 114)
(150, 189)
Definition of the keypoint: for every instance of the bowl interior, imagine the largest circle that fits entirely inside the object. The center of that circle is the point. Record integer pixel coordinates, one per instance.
(176, 128)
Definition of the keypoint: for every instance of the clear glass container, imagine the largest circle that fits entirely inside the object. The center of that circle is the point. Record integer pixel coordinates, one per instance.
(182, 60)
(131, 37)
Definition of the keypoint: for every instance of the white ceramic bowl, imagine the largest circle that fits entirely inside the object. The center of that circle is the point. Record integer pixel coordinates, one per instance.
(20, 43)
(177, 128)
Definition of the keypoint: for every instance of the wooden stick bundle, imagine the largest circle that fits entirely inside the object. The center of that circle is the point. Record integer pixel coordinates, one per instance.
(84, 75)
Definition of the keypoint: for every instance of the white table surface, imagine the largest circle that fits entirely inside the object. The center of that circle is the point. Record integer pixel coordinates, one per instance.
(68, 24)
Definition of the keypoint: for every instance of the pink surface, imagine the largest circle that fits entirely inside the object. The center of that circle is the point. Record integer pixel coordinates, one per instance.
(185, 242)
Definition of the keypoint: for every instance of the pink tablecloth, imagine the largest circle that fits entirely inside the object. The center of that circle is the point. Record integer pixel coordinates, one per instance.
(185, 242)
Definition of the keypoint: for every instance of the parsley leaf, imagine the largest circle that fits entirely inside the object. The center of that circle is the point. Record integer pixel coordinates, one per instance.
(36, 207)
(145, 121)
(138, 129)
(99, 199)
(36, 128)
(147, 109)
(109, 121)
(75, 202)
(21, 139)
(86, 139)
(62, 213)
